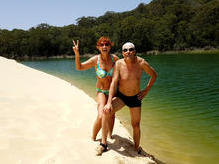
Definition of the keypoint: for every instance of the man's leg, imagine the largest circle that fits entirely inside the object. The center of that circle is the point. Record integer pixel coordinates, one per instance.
(117, 104)
(135, 121)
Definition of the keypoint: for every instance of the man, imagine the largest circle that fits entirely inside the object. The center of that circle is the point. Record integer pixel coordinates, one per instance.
(125, 87)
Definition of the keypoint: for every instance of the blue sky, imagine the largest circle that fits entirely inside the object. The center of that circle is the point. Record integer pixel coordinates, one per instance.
(24, 14)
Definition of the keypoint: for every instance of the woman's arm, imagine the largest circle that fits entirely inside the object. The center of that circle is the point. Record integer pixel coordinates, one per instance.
(113, 87)
(85, 65)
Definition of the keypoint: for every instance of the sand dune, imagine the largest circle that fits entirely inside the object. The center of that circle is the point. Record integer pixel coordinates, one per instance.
(46, 120)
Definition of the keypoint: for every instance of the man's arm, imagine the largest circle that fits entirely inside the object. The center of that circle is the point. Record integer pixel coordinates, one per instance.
(113, 86)
(151, 72)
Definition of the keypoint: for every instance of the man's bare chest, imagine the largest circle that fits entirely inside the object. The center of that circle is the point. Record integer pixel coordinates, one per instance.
(133, 73)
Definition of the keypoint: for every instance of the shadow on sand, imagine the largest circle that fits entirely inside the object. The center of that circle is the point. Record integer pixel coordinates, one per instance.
(125, 147)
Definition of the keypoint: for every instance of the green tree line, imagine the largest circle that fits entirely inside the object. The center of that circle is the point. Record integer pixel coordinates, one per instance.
(160, 25)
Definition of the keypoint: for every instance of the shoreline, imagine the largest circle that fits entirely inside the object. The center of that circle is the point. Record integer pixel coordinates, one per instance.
(153, 52)
(45, 119)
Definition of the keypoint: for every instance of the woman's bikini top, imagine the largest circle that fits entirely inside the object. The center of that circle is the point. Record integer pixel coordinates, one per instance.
(102, 73)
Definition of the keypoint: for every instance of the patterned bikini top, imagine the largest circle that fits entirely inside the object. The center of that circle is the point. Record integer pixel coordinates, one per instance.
(102, 73)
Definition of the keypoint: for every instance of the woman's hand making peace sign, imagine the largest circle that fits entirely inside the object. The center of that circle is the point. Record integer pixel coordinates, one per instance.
(76, 47)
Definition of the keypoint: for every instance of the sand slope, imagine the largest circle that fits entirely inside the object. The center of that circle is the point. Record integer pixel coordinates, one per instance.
(45, 120)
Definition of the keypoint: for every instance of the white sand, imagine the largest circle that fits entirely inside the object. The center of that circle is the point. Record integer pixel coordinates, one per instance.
(46, 120)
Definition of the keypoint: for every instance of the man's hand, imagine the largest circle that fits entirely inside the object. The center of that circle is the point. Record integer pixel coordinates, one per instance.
(142, 94)
(107, 108)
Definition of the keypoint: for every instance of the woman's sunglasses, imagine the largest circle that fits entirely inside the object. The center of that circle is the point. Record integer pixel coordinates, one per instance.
(104, 44)
(130, 50)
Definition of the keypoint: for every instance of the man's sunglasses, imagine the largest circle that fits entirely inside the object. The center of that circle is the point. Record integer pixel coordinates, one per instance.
(104, 44)
(130, 50)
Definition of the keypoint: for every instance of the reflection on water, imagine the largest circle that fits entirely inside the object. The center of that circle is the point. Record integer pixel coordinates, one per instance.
(180, 115)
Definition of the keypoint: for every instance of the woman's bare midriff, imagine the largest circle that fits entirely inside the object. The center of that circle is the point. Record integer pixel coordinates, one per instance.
(104, 83)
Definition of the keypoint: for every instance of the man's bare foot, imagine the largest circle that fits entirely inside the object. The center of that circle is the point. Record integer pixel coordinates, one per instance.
(140, 151)
(100, 149)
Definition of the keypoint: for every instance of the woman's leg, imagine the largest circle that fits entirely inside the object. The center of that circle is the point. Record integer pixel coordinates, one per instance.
(117, 104)
(101, 101)
(111, 125)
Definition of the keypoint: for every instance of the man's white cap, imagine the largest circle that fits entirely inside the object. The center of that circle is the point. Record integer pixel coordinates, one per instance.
(128, 44)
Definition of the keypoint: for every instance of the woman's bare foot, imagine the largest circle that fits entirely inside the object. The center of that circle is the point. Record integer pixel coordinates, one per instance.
(110, 135)
(93, 138)
(100, 149)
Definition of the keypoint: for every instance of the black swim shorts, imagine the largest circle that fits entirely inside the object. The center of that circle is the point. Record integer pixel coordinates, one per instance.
(130, 101)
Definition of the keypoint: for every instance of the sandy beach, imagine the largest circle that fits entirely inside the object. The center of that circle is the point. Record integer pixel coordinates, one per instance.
(46, 120)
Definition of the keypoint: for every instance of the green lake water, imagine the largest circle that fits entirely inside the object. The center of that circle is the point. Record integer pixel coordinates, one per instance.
(180, 115)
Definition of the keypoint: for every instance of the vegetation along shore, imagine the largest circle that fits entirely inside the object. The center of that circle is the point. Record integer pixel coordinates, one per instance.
(161, 25)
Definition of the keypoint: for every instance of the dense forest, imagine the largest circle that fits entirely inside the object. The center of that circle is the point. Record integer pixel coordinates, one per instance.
(160, 25)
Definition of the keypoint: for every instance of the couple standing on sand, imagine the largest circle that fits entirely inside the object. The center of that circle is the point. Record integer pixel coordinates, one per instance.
(118, 84)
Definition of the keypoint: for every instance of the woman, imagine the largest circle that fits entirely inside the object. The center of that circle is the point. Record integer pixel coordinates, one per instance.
(103, 64)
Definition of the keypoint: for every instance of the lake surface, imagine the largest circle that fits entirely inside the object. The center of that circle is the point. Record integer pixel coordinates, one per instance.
(180, 115)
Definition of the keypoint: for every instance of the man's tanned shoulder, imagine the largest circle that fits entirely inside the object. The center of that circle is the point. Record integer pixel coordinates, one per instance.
(142, 61)
(120, 61)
